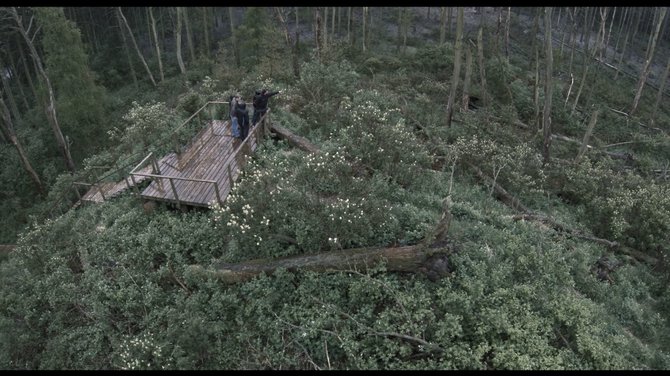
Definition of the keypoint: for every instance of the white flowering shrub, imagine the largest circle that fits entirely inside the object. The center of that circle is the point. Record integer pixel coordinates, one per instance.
(376, 136)
(141, 352)
(290, 202)
(517, 168)
(145, 123)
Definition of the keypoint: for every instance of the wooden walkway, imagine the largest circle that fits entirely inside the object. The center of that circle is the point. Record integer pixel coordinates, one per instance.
(104, 191)
(205, 171)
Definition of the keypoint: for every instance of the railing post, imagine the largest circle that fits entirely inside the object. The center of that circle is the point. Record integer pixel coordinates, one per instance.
(74, 187)
(156, 166)
(174, 190)
(218, 196)
(101, 193)
(230, 177)
(176, 144)
(137, 190)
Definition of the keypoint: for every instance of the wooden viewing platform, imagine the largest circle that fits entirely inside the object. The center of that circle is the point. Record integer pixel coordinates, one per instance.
(204, 172)
(199, 174)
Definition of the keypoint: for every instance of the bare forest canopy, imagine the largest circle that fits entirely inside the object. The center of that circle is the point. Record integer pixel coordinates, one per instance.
(435, 188)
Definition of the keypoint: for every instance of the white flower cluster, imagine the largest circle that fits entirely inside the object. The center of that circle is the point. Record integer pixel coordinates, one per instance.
(139, 352)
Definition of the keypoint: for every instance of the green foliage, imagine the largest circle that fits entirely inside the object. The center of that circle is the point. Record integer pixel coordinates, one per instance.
(80, 101)
(144, 124)
(317, 95)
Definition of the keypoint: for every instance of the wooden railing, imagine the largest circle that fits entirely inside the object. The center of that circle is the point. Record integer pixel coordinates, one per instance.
(239, 155)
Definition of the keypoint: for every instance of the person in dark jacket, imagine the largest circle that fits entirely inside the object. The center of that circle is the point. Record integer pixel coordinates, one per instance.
(242, 118)
(261, 104)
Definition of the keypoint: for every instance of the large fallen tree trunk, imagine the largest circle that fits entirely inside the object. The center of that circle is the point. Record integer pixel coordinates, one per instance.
(6, 248)
(431, 261)
(293, 139)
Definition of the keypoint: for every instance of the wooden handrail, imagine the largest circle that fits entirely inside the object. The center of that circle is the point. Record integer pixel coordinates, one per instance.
(143, 160)
(172, 177)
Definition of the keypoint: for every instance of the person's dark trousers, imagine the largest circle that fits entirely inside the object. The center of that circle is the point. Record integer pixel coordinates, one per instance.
(244, 130)
(258, 114)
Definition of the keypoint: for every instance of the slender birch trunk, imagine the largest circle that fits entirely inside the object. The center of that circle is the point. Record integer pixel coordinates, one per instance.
(137, 49)
(457, 65)
(180, 60)
(50, 107)
(158, 49)
(548, 86)
(647, 65)
(7, 131)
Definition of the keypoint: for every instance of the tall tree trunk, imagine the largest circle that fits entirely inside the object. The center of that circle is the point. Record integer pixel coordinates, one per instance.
(325, 27)
(332, 24)
(507, 20)
(339, 21)
(536, 23)
(7, 130)
(573, 40)
(317, 32)
(180, 60)
(236, 49)
(659, 95)
(600, 38)
(126, 49)
(536, 89)
(636, 27)
(8, 92)
(647, 65)
(399, 42)
(625, 44)
(92, 23)
(206, 29)
(26, 69)
(622, 23)
(609, 34)
(20, 84)
(158, 49)
(449, 17)
(457, 65)
(443, 24)
(349, 20)
(51, 105)
(189, 34)
(405, 27)
(481, 62)
(548, 86)
(137, 49)
(466, 81)
(289, 43)
(365, 20)
(587, 135)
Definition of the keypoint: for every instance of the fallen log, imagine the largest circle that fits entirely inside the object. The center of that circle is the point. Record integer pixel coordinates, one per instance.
(6, 248)
(526, 213)
(500, 192)
(293, 139)
(431, 261)
(560, 227)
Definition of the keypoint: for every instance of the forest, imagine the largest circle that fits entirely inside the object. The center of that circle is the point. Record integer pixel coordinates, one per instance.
(452, 188)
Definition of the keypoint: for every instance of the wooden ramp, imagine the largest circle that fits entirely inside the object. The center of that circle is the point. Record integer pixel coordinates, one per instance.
(205, 171)
(100, 192)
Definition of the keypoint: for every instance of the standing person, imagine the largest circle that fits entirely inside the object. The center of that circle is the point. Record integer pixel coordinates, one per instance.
(261, 104)
(243, 118)
(235, 127)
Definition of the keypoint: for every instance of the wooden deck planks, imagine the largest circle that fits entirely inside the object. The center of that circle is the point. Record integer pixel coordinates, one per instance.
(207, 158)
